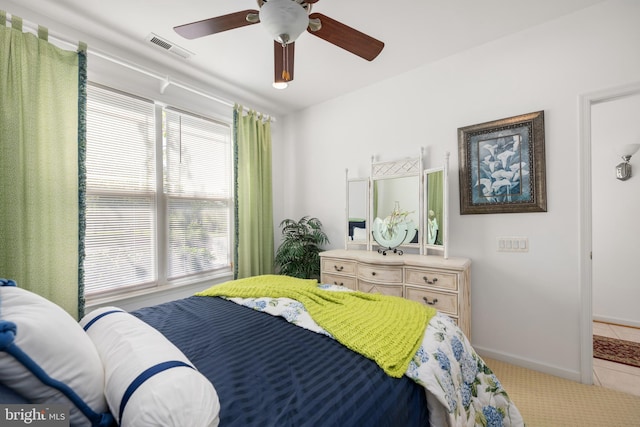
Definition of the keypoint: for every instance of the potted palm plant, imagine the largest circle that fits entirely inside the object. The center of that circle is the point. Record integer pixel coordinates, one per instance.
(298, 254)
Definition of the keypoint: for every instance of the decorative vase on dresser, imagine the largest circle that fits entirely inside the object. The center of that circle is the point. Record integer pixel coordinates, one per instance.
(443, 284)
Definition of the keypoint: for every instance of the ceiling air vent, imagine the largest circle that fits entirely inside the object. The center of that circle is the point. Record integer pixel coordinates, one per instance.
(167, 45)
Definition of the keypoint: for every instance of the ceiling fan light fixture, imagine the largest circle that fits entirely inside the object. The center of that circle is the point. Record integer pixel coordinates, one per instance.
(284, 20)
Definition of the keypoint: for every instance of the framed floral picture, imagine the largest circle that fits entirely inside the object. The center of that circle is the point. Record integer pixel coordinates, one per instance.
(502, 166)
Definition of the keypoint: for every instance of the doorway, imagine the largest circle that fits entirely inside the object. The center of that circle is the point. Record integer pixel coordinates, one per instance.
(587, 153)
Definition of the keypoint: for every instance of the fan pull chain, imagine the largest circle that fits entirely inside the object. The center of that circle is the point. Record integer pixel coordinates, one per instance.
(285, 63)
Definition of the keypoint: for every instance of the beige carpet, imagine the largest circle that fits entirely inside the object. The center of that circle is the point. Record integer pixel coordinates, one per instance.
(549, 401)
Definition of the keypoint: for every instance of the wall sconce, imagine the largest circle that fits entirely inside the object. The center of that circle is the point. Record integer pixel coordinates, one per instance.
(623, 170)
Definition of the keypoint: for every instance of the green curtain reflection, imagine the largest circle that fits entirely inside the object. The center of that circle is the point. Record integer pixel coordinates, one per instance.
(435, 204)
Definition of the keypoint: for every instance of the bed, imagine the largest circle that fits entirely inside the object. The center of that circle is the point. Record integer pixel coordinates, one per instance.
(264, 361)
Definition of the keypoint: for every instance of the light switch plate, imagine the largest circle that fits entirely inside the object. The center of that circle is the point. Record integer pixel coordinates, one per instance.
(513, 244)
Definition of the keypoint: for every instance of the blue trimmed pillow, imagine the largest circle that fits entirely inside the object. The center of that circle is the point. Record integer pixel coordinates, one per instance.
(46, 357)
(148, 380)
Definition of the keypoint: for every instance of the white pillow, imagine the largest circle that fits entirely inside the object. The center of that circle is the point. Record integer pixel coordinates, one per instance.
(359, 233)
(57, 344)
(178, 396)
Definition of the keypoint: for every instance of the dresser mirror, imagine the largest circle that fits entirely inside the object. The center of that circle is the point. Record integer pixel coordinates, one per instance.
(401, 206)
(357, 211)
(396, 208)
(436, 231)
(396, 198)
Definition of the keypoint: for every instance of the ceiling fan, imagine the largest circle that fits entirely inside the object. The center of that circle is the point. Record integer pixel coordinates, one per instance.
(285, 20)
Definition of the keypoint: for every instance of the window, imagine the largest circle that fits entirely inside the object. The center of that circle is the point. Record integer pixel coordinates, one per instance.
(197, 185)
(158, 194)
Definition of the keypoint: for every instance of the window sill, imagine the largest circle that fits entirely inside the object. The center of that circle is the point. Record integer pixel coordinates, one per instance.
(152, 296)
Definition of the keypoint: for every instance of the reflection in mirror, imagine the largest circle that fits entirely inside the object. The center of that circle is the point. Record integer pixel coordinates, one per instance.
(357, 207)
(395, 198)
(436, 215)
(435, 207)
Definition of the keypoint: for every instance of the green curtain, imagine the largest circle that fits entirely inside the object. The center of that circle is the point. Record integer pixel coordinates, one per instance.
(40, 136)
(253, 194)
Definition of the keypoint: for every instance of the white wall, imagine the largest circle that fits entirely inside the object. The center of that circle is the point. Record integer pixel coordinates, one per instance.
(526, 306)
(616, 210)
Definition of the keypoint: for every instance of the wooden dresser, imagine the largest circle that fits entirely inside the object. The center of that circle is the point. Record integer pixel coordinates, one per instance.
(438, 282)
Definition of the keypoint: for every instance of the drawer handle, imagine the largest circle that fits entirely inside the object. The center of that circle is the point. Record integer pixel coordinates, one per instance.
(373, 273)
(434, 302)
(338, 268)
(431, 282)
(338, 284)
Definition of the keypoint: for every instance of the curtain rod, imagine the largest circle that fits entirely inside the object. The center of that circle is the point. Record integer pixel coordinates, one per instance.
(165, 79)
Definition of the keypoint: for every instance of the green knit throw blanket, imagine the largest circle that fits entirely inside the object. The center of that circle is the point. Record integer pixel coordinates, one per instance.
(383, 328)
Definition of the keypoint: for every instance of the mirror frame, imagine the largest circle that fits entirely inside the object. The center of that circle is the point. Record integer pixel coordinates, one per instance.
(444, 248)
(347, 241)
(407, 167)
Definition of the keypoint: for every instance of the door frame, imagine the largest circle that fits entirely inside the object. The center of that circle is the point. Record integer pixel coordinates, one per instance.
(586, 101)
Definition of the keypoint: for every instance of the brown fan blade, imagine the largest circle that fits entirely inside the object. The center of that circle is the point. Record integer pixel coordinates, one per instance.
(346, 37)
(283, 62)
(216, 25)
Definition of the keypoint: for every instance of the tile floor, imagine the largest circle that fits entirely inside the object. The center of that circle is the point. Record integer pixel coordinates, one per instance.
(612, 375)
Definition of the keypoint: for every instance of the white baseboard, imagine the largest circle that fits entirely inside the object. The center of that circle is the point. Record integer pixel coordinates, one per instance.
(529, 364)
(617, 321)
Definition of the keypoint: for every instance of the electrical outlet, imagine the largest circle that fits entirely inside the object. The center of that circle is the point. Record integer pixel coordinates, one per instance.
(513, 244)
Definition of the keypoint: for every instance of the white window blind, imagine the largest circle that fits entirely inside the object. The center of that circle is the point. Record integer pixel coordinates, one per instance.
(120, 198)
(197, 180)
(141, 232)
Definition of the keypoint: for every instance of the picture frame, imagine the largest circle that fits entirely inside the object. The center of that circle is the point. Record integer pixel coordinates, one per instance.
(502, 166)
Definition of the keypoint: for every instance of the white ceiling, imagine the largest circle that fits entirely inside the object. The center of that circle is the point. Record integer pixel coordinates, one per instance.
(240, 62)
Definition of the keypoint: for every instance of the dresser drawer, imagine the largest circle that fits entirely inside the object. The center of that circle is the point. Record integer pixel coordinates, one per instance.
(441, 301)
(336, 279)
(377, 288)
(431, 278)
(340, 266)
(378, 273)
